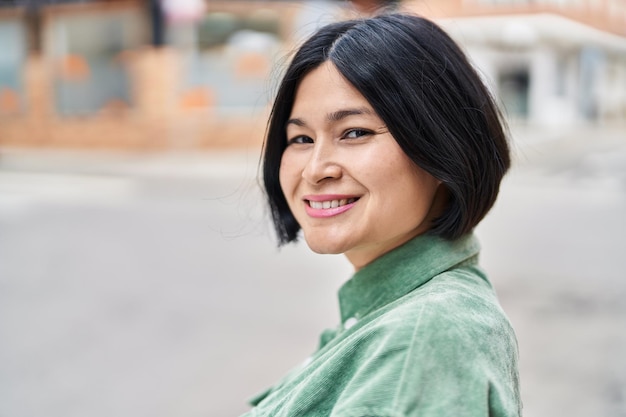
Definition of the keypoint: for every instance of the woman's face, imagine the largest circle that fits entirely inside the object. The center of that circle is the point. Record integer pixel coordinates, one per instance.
(346, 180)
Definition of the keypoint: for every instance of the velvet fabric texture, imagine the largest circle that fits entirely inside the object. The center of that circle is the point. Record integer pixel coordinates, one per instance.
(422, 334)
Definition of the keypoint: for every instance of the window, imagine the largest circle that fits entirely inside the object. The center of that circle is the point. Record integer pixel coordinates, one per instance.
(230, 59)
(513, 88)
(12, 60)
(87, 50)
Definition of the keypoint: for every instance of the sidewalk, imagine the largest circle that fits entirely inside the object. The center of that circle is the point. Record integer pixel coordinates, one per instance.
(183, 165)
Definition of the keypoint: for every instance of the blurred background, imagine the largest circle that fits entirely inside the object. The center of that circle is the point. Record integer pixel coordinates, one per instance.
(139, 275)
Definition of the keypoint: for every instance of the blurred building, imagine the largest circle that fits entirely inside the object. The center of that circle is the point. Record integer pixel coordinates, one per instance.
(197, 73)
(142, 73)
(550, 62)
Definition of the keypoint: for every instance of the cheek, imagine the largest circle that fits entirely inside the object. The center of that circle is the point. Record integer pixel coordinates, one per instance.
(414, 187)
(424, 189)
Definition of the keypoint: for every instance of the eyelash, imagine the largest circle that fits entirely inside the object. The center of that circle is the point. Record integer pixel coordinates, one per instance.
(299, 140)
(302, 139)
(362, 132)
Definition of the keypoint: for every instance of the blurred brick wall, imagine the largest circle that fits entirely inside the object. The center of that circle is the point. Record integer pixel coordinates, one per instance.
(606, 15)
(164, 112)
(159, 117)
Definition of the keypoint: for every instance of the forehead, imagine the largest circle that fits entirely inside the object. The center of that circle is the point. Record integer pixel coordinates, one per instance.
(325, 89)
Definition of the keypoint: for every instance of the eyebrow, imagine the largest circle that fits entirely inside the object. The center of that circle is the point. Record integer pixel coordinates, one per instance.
(334, 116)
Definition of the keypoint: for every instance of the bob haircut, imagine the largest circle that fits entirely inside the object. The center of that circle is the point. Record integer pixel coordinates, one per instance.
(420, 83)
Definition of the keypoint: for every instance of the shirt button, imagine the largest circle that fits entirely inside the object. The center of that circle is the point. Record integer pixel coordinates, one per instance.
(349, 323)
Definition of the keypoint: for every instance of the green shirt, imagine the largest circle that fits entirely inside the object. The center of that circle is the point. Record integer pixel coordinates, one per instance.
(422, 334)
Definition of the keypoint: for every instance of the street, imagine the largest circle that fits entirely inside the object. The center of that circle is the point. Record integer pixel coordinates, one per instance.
(151, 286)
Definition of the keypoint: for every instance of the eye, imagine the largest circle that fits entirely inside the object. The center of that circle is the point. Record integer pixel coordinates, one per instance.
(299, 139)
(355, 133)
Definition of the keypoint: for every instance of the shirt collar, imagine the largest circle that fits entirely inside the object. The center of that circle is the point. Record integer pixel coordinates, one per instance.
(400, 271)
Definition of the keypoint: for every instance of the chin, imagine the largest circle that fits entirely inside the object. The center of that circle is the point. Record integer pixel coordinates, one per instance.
(324, 247)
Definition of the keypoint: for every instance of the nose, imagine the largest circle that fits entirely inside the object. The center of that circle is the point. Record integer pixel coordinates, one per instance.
(322, 164)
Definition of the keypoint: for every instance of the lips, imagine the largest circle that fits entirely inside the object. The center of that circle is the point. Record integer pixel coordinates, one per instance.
(320, 206)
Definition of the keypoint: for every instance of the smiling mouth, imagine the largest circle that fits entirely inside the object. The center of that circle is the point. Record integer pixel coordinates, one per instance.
(318, 205)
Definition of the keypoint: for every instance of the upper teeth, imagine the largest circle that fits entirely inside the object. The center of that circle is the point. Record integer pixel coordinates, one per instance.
(331, 203)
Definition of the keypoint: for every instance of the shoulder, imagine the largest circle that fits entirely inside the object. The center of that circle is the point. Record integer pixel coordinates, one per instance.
(446, 346)
(457, 306)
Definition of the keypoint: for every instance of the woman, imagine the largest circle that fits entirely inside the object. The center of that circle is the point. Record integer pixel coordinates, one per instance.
(384, 145)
